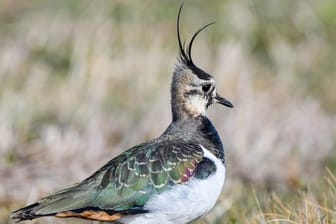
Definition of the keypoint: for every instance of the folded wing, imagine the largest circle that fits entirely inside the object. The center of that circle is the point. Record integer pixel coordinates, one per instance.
(123, 185)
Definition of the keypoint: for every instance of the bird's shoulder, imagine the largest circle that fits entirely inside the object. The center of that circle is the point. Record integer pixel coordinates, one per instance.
(157, 154)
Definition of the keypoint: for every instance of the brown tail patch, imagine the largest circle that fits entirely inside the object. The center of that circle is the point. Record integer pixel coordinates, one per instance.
(92, 215)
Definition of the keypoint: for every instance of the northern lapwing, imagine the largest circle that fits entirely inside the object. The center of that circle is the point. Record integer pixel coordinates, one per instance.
(175, 178)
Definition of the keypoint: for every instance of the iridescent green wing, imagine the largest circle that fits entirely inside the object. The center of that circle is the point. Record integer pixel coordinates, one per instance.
(130, 180)
(124, 184)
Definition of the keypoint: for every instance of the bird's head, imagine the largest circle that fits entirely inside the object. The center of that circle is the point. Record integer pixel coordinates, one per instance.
(193, 90)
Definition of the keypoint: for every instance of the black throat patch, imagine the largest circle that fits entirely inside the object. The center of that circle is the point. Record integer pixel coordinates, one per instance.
(205, 168)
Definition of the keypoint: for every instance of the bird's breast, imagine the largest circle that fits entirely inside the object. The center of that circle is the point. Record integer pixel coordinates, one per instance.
(186, 202)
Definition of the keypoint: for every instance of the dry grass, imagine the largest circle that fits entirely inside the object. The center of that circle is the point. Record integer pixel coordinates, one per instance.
(313, 204)
(82, 82)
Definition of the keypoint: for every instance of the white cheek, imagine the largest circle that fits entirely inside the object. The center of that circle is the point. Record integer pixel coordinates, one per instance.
(198, 104)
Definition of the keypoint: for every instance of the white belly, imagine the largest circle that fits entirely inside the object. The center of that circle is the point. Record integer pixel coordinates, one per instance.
(184, 203)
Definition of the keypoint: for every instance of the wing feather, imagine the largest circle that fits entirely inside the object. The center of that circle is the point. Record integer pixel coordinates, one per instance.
(125, 183)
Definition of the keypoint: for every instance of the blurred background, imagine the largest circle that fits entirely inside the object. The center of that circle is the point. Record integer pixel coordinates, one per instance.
(81, 81)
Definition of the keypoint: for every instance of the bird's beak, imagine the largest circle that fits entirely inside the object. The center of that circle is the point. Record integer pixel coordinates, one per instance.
(223, 101)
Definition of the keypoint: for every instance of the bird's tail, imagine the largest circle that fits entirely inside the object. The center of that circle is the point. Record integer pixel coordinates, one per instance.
(27, 213)
(69, 199)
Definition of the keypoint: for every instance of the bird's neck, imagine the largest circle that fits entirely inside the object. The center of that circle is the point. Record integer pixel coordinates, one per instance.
(197, 130)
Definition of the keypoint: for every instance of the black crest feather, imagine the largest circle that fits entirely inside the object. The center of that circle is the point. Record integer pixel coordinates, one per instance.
(185, 53)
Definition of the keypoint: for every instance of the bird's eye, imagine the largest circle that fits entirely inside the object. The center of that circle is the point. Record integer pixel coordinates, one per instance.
(206, 88)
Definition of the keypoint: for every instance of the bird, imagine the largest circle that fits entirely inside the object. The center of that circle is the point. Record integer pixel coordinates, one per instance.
(174, 178)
